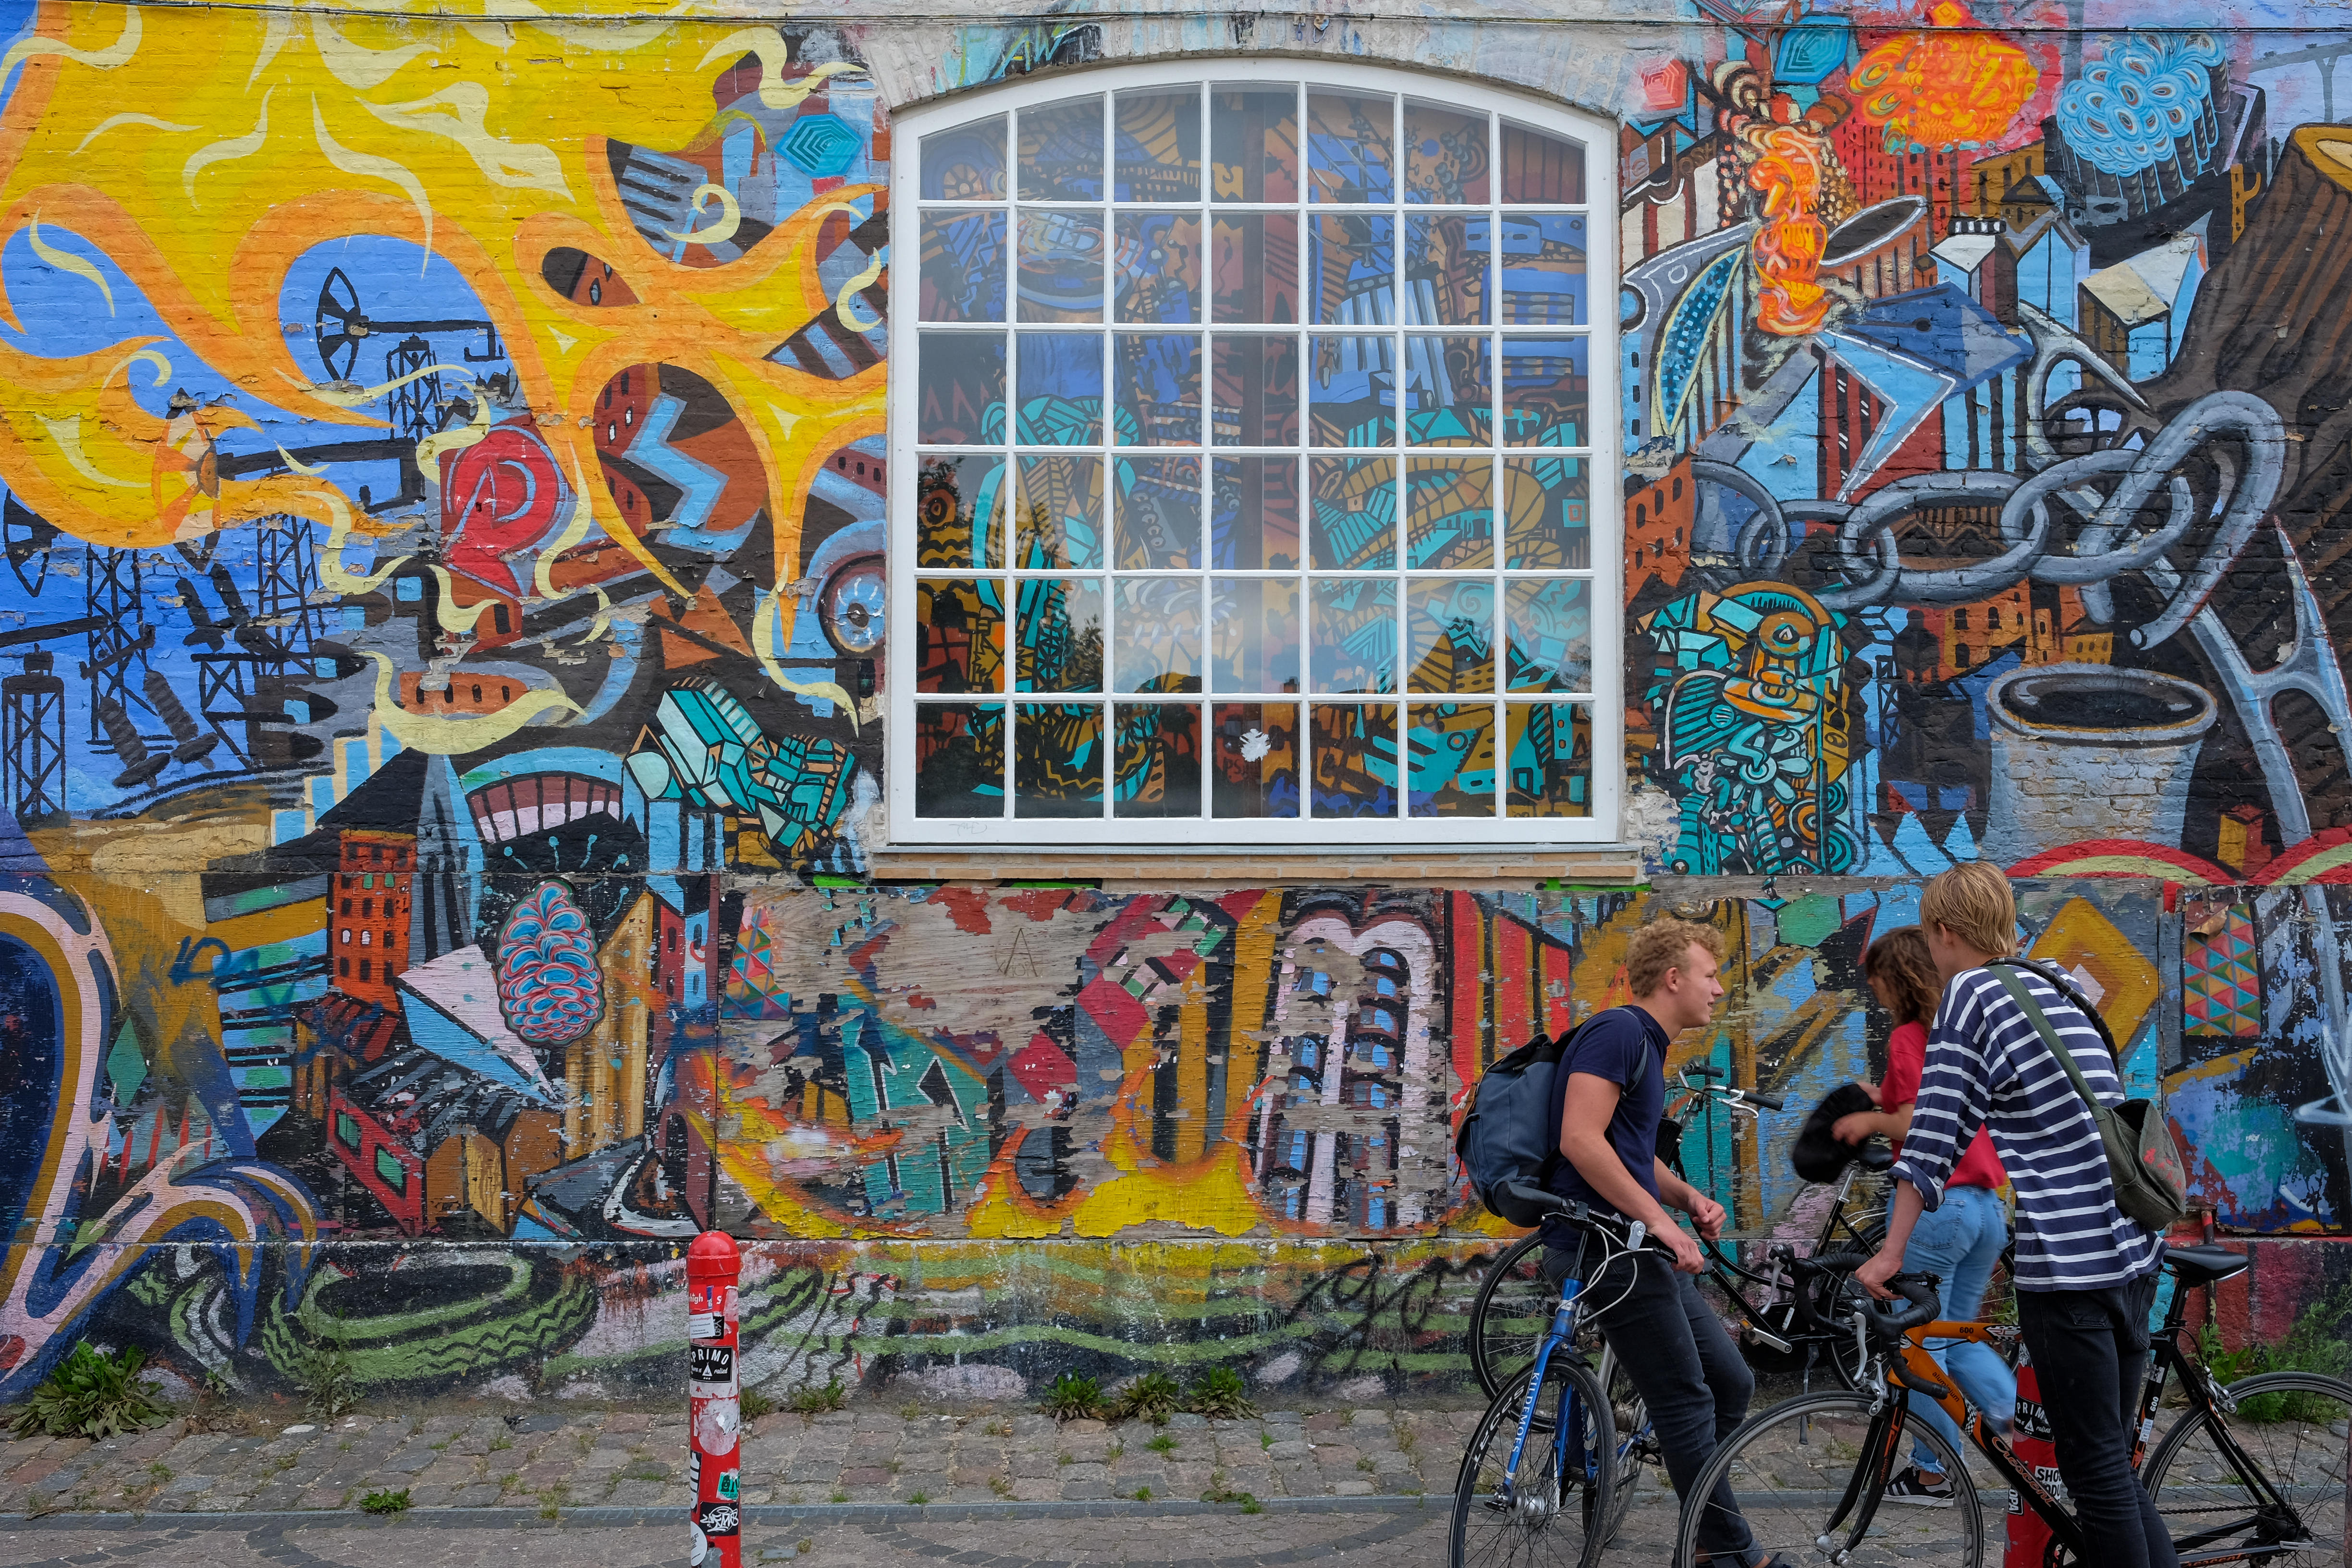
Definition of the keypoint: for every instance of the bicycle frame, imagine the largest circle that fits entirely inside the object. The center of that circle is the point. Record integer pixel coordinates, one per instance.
(1913, 1371)
(1569, 1426)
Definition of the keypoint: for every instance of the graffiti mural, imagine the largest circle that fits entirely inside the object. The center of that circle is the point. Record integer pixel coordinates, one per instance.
(444, 500)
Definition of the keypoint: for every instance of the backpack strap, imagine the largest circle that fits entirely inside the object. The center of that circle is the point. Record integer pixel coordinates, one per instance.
(2064, 983)
(2042, 1025)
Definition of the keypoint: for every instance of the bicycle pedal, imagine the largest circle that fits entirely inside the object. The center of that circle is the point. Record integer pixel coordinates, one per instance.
(1756, 1336)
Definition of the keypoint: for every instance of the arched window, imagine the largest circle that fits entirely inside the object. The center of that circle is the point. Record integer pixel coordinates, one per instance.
(1241, 417)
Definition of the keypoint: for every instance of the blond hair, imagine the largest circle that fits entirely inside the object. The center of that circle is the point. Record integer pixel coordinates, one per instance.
(1973, 902)
(1663, 945)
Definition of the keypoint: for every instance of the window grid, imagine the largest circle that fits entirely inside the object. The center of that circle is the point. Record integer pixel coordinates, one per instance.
(1119, 578)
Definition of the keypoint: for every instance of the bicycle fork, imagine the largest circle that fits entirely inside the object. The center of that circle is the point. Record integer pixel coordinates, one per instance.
(1535, 1507)
(1867, 1486)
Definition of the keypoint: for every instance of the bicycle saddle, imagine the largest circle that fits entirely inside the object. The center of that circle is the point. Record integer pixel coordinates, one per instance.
(2204, 1264)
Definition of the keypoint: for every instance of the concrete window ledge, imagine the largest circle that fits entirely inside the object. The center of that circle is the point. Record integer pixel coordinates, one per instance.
(1603, 864)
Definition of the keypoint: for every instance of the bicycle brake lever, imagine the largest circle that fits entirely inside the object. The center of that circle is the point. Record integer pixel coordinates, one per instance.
(1634, 1236)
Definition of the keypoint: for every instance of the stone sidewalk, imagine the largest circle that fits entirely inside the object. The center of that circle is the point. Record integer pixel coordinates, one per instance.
(549, 1462)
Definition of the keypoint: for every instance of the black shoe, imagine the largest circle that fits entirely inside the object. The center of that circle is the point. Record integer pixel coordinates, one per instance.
(1913, 1488)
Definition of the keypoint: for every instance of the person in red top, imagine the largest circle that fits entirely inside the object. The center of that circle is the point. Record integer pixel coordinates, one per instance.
(1961, 1239)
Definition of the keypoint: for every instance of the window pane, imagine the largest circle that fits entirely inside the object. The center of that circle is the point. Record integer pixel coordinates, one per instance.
(1546, 391)
(1254, 144)
(1061, 149)
(1253, 633)
(1157, 526)
(963, 265)
(1543, 271)
(1158, 636)
(960, 511)
(1061, 513)
(1540, 168)
(1156, 771)
(1058, 759)
(1156, 378)
(1550, 759)
(1061, 389)
(1355, 749)
(1449, 513)
(1256, 763)
(1255, 383)
(1352, 271)
(965, 164)
(1254, 268)
(1157, 265)
(1349, 141)
(1061, 266)
(1449, 391)
(1444, 155)
(1549, 636)
(1450, 759)
(1157, 141)
(959, 758)
(960, 394)
(961, 623)
(1446, 262)
(1353, 502)
(1449, 627)
(1546, 527)
(1354, 635)
(1352, 390)
(1059, 635)
(1253, 524)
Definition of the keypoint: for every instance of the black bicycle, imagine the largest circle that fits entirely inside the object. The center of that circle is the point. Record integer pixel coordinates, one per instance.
(1514, 1304)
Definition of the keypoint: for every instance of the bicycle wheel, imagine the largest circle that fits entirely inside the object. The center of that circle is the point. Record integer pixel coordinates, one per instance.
(1510, 1314)
(2292, 1426)
(1788, 1467)
(1550, 1516)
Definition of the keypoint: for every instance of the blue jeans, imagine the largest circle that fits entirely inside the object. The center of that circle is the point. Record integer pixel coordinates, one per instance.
(1959, 1242)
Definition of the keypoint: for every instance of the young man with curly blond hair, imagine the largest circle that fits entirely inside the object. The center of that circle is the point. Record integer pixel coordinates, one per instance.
(1612, 1092)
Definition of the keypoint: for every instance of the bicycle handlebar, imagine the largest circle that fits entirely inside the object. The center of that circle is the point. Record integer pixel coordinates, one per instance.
(1738, 1099)
(1578, 1215)
(1886, 1324)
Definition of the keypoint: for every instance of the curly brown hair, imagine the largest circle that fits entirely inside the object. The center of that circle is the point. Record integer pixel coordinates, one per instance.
(1900, 958)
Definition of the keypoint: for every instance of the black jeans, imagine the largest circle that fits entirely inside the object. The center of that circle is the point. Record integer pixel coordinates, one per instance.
(2090, 1354)
(1686, 1368)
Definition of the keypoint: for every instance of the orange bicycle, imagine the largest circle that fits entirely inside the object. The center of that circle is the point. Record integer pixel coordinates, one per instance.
(2251, 1473)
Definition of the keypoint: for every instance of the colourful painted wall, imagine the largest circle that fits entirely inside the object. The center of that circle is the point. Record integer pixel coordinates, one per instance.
(442, 739)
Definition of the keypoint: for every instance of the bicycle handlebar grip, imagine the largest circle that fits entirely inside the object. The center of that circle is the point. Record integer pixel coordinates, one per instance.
(1703, 1069)
(1768, 1101)
(1542, 1198)
(1824, 1262)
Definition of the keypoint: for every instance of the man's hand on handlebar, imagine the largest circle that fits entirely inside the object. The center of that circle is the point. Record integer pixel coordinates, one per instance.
(1688, 1259)
(1874, 1275)
(1707, 1215)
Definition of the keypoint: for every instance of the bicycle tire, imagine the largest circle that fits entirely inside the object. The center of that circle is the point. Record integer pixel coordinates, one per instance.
(2202, 1498)
(1572, 1528)
(1502, 1342)
(1773, 1453)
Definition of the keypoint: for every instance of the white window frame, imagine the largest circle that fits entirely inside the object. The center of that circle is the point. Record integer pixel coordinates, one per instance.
(1604, 458)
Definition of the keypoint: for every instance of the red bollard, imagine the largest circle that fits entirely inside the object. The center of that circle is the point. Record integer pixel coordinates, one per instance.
(2029, 1537)
(715, 1435)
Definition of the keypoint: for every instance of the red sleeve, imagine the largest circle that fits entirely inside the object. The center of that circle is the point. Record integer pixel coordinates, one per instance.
(1906, 1057)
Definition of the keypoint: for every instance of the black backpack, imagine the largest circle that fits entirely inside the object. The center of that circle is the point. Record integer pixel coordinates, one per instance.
(1508, 1132)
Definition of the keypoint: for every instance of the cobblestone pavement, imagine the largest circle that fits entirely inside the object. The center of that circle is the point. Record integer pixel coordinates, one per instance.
(556, 1460)
(1350, 1533)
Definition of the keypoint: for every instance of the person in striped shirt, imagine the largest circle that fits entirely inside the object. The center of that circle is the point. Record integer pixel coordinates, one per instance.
(2085, 1272)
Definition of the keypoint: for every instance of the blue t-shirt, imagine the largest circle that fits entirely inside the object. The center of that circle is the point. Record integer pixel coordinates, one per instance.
(1625, 1045)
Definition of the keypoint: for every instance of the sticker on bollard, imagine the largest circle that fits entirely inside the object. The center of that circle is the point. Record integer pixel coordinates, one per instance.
(715, 1427)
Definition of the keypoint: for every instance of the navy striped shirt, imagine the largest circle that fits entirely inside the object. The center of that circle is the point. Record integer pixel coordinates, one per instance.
(1987, 1066)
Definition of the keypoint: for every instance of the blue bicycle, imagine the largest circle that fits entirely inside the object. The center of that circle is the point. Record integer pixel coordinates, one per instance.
(1556, 1491)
